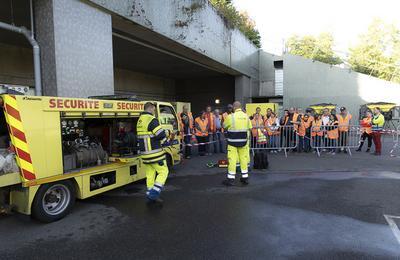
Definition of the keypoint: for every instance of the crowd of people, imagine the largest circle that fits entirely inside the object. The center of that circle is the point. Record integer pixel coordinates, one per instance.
(294, 130)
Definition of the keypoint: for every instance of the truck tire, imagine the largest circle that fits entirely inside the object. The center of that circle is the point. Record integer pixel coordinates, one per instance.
(53, 201)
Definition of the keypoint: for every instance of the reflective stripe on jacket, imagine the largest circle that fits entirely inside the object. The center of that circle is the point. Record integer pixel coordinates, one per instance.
(190, 116)
(366, 125)
(150, 135)
(344, 122)
(256, 125)
(316, 129)
(238, 126)
(303, 127)
(377, 123)
(201, 126)
(271, 128)
(332, 130)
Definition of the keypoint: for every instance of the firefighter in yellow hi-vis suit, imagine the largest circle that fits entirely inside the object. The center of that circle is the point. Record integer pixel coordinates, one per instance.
(151, 136)
(238, 126)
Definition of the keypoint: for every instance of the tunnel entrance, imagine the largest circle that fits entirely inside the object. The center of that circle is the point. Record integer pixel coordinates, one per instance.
(142, 66)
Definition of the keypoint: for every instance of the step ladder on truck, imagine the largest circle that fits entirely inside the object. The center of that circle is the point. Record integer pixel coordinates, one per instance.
(55, 150)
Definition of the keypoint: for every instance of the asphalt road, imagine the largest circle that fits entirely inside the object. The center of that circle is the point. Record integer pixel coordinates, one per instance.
(283, 214)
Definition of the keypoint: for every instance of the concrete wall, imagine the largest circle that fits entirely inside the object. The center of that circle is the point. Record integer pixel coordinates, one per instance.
(76, 48)
(145, 86)
(192, 23)
(16, 65)
(307, 82)
(267, 75)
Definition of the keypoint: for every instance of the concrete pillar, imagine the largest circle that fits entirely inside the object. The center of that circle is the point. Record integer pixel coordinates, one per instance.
(243, 89)
(76, 48)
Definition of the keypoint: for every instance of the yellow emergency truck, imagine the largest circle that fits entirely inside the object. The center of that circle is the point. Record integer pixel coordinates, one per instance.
(55, 150)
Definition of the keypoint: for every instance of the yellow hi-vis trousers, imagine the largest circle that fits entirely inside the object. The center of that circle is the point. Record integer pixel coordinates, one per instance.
(156, 174)
(238, 155)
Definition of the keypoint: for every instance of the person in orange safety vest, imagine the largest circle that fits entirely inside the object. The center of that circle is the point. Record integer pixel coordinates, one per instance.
(273, 130)
(332, 132)
(316, 130)
(366, 128)
(186, 123)
(201, 131)
(304, 133)
(344, 119)
(211, 127)
(258, 130)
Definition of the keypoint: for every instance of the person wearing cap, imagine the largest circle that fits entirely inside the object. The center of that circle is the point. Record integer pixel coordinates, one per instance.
(344, 119)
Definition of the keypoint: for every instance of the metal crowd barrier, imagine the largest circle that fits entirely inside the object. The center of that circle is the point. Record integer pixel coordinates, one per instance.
(396, 144)
(275, 138)
(333, 138)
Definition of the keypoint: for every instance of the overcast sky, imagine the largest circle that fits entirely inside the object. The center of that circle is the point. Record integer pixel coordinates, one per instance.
(345, 19)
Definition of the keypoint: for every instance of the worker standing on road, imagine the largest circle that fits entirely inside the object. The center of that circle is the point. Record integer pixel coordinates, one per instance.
(238, 126)
(332, 133)
(344, 119)
(316, 131)
(218, 141)
(186, 123)
(378, 121)
(304, 134)
(366, 129)
(151, 136)
(293, 120)
(211, 128)
(201, 132)
(257, 131)
(272, 125)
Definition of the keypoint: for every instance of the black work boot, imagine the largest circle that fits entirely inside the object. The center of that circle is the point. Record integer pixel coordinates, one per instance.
(229, 182)
(244, 181)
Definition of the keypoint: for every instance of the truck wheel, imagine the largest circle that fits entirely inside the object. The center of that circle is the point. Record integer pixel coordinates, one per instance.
(53, 201)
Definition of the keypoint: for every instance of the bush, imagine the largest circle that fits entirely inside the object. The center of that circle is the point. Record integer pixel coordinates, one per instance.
(242, 21)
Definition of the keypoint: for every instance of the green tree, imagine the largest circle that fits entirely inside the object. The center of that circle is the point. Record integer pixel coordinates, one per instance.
(378, 52)
(318, 48)
(242, 21)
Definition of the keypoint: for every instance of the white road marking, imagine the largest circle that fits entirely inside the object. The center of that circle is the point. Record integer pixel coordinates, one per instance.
(393, 226)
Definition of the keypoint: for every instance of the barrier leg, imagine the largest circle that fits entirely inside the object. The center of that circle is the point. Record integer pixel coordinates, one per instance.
(318, 152)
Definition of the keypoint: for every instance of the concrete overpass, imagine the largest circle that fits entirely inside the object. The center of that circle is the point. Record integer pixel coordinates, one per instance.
(178, 50)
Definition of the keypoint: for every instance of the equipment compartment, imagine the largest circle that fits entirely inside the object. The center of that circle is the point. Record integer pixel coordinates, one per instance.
(8, 162)
(90, 142)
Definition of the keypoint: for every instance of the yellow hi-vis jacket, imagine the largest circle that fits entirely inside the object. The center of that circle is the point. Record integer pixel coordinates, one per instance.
(238, 126)
(150, 135)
